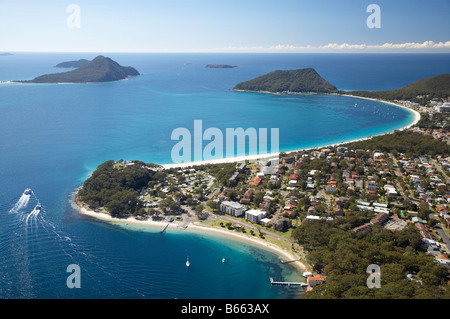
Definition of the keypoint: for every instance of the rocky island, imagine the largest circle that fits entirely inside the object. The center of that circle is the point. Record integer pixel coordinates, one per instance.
(100, 69)
(288, 81)
(220, 66)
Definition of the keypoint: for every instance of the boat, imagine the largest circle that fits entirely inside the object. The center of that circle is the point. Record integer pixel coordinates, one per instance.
(27, 191)
(223, 260)
(188, 263)
(38, 206)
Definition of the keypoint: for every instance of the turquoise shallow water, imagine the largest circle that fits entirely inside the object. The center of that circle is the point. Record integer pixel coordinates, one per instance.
(53, 136)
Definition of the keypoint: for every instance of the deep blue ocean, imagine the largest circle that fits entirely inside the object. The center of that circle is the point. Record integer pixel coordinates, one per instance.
(52, 136)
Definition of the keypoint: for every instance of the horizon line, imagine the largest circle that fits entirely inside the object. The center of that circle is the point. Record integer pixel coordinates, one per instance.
(345, 48)
(226, 52)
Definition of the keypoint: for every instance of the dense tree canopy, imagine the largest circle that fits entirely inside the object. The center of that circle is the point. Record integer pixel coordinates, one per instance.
(407, 142)
(343, 257)
(298, 81)
(433, 87)
(116, 188)
(100, 69)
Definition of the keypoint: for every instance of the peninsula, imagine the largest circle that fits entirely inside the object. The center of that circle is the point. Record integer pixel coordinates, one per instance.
(288, 81)
(101, 69)
(424, 89)
(72, 64)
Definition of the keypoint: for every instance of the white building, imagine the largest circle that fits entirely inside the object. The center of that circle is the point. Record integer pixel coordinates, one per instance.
(378, 155)
(390, 189)
(265, 221)
(232, 208)
(255, 215)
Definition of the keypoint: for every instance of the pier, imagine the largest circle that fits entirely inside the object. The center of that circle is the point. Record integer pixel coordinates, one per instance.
(165, 227)
(289, 261)
(287, 283)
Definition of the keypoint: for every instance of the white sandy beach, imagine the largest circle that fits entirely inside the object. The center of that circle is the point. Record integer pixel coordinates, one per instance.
(196, 228)
(273, 155)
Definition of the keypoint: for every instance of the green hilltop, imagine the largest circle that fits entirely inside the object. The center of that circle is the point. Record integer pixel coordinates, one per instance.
(433, 87)
(292, 81)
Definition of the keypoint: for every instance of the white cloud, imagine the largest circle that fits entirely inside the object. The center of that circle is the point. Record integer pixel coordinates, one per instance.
(336, 47)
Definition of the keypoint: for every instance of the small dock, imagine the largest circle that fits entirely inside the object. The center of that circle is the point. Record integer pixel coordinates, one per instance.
(287, 283)
(289, 261)
(164, 229)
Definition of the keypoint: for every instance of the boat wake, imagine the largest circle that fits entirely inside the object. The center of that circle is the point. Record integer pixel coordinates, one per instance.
(22, 202)
(35, 245)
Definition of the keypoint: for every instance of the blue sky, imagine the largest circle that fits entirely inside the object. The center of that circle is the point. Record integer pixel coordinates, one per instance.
(224, 26)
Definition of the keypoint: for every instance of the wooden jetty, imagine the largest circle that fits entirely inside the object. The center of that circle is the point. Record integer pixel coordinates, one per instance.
(287, 283)
(289, 261)
(165, 227)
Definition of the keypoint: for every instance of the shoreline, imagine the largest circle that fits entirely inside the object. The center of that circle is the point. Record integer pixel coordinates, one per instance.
(416, 119)
(196, 228)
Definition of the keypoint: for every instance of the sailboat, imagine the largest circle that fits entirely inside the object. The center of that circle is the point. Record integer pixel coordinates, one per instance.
(223, 260)
(188, 264)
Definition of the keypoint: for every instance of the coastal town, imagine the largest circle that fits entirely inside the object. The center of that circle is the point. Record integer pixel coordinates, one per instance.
(267, 199)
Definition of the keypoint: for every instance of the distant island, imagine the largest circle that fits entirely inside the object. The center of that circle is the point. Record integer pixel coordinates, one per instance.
(101, 69)
(288, 81)
(72, 64)
(424, 89)
(220, 66)
(6, 54)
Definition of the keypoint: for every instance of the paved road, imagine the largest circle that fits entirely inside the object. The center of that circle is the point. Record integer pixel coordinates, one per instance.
(441, 232)
(188, 218)
(439, 168)
(263, 231)
(399, 174)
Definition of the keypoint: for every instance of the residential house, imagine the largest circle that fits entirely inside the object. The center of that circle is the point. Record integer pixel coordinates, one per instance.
(314, 281)
(282, 224)
(255, 182)
(247, 198)
(288, 159)
(312, 210)
(267, 222)
(362, 227)
(379, 219)
(371, 186)
(265, 205)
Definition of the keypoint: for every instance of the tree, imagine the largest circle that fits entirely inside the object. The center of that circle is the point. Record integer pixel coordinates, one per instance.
(213, 205)
(258, 198)
(432, 222)
(199, 208)
(424, 210)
